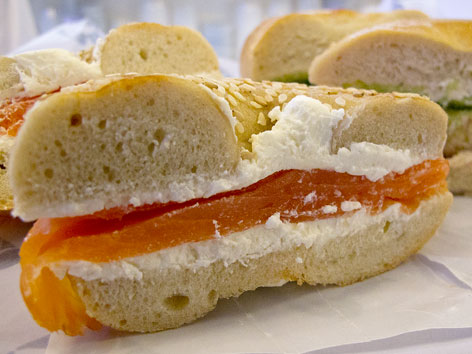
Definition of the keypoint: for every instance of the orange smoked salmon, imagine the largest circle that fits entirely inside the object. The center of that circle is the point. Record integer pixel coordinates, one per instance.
(12, 114)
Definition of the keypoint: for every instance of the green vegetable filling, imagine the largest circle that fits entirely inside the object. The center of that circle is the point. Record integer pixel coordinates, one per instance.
(300, 77)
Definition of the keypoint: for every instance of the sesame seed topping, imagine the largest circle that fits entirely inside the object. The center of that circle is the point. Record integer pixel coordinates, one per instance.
(211, 85)
(260, 100)
(239, 127)
(340, 101)
(237, 114)
(239, 96)
(255, 104)
(232, 100)
(282, 98)
(221, 90)
(247, 87)
(261, 119)
(233, 87)
(271, 92)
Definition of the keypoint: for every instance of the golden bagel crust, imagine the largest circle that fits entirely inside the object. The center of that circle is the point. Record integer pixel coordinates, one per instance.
(285, 46)
(149, 48)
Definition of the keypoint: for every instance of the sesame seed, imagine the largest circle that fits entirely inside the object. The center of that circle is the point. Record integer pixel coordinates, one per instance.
(239, 96)
(282, 98)
(247, 87)
(238, 114)
(233, 87)
(239, 127)
(260, 100)
(271, 92)
(255, 104)
(268, 98)
(261, 119)
(211, 85)
(277, 85)
(340, 101)
(232, 100)
(221, 90)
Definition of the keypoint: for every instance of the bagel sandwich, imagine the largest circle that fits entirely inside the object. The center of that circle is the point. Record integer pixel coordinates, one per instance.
(157, 195)
(433, 59)
(137, 47)
(282, 48)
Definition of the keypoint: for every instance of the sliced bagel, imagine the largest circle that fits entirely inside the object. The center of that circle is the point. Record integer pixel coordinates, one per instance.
(433, 59)
(282, 48)
(149, 48)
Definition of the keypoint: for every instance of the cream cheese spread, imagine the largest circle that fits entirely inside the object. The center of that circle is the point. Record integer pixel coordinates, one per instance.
(47, 70)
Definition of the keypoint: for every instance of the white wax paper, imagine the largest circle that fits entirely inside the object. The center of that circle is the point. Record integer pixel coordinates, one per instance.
(453, 249)
(19, 334)
(429, 291)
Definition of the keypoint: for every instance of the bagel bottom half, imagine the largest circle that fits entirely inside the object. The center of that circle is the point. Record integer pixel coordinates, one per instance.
(168, 297)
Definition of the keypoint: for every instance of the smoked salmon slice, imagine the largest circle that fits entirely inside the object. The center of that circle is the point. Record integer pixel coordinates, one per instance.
(12, 115)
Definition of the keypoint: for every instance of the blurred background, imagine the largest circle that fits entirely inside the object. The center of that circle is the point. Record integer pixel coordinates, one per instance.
(76, 24)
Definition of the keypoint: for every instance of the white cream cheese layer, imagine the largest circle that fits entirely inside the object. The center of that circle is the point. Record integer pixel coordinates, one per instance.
(47, 70)
(241, 247)
(302, 137)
